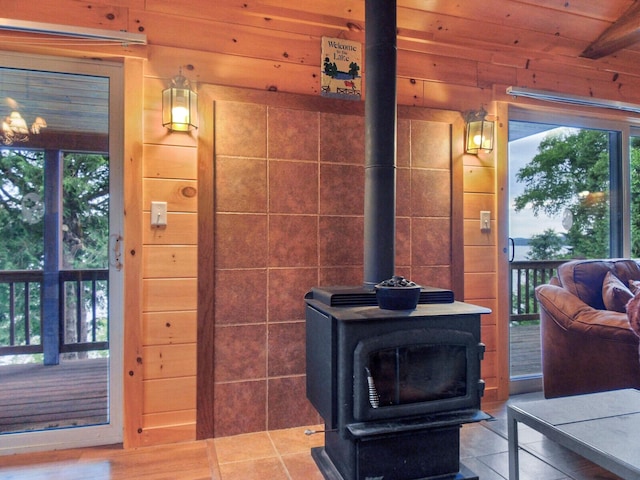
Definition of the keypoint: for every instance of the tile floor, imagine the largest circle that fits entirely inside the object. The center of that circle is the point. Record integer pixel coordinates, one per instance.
(284, 454)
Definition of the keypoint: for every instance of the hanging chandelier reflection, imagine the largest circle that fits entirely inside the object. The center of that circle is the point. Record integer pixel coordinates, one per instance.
(15, 128)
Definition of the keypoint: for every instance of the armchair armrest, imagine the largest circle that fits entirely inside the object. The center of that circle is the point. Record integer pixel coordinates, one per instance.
(572, 314)
(563, 307)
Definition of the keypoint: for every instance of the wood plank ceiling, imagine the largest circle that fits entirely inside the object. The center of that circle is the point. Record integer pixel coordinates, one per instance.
(535, 28)
(489, 32)
(579, 30)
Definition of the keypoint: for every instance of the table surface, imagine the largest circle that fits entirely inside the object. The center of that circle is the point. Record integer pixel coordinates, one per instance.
(603, 427)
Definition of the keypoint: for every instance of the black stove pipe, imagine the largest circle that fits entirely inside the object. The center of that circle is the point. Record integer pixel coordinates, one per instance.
(380, 141)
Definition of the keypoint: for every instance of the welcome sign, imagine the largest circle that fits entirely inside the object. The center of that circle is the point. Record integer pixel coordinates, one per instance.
(341, 69)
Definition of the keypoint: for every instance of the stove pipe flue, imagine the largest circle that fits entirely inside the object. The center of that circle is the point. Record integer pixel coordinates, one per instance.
(380, 141)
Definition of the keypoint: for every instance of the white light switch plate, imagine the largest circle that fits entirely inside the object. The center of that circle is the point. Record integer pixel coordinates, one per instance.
(158, 214)
(485, 220)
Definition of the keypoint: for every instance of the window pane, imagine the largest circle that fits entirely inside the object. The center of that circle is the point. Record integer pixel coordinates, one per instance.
(21, 209)
(85, 229)
(635, 196)
(559, 190)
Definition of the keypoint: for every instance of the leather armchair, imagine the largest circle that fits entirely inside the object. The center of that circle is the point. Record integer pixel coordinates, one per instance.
(586, 348)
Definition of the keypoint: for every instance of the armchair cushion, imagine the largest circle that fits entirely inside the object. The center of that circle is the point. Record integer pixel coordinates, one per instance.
(627, 270)
(615, 294)
(584, 278)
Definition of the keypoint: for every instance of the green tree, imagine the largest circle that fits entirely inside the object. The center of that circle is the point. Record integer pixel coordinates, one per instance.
(571, 172)
(353, 69)
(330, 69)
(21, 174)
(546, 246)
(84, 226)
(86, 211)
(635, 196)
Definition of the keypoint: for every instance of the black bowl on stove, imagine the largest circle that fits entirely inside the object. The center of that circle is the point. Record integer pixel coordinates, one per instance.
(397, 294)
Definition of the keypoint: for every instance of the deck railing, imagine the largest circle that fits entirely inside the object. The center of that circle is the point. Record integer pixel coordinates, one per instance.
(78, 314)
(526, 275)
(22, 306)
(525, 355)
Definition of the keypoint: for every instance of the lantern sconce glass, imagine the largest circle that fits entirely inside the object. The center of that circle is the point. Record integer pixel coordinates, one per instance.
(479, 134)
(179, 105)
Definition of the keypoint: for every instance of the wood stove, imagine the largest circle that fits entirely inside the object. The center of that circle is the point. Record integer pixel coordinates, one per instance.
(393, 387)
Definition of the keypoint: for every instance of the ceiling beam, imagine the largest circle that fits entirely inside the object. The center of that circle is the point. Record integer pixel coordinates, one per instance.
(66, 141)
(623, 32)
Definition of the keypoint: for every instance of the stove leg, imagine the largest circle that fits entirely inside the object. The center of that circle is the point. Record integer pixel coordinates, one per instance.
(330, 472)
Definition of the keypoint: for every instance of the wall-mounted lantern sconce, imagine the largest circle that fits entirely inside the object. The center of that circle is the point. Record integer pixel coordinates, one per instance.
(479, 135)
(179, 105)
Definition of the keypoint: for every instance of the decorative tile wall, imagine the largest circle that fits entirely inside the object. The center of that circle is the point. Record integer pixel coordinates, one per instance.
(289, 190)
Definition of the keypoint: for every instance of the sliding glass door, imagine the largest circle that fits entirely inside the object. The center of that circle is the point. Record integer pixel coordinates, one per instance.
(60, 271)
(634, 191)
(567, 184)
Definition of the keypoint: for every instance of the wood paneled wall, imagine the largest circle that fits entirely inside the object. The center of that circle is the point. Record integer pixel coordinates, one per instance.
(230, 43)
(169, 272)
(480, 263)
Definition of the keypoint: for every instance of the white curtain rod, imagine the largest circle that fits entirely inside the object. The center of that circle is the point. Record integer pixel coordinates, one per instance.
(71, 31)
(572, 99)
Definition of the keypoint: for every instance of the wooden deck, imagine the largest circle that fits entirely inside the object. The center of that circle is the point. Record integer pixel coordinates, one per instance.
(74, 393)
(36, 397)
(524, 352)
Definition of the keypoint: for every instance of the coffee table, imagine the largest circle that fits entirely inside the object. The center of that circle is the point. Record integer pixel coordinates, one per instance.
(602, 427)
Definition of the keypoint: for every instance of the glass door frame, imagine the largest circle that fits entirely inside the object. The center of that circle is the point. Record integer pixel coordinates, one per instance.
(621, 127)
(112, 432)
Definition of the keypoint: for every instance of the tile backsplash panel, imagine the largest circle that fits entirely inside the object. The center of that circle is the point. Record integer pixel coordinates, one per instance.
(289, 193)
